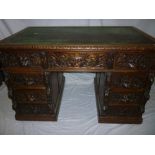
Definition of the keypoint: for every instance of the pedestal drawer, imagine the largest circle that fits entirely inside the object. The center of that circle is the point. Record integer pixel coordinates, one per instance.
(26, 79)
(117, 98)
(37, 109)
(122, 111)
(128, 80)
(31, 96)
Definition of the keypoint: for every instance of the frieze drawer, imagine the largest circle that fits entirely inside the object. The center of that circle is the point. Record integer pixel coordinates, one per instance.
(23, 59)
(133, 61)
(81, 59)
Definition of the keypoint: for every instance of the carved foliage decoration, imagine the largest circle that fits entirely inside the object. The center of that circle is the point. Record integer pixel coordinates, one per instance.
(87, 59)
(23, 59)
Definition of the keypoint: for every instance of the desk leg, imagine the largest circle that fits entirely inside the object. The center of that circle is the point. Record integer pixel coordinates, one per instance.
(121, 97)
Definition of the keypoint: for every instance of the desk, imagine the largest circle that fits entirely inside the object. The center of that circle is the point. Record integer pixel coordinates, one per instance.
(33, 62)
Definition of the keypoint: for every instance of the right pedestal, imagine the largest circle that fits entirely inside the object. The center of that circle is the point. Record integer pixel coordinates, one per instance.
(121, 97)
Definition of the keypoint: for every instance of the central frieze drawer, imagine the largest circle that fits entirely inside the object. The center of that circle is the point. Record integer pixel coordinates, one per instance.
(80, 59)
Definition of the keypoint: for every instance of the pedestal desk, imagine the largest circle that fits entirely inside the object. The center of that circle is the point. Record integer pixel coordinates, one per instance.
(33, 62)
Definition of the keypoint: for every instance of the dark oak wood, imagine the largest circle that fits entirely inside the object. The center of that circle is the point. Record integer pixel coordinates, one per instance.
(33, 62)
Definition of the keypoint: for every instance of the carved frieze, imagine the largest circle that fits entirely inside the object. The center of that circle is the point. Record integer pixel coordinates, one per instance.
(51, 59)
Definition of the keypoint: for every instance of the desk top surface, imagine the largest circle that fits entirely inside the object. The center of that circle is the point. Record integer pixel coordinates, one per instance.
(78, 35)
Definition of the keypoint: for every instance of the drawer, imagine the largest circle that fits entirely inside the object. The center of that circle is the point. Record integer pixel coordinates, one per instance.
(132, 61)
(116, 98)
(122, 111)
(33, 109)
(25, 79)
(31, 96)
(81, 59)
(23, 59)
(128, 80)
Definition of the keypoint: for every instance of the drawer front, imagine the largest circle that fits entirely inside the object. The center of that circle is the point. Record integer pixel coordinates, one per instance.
(124, 98)
(89, 60)
(123, 111)
(30, 79)
(31, 96)
(33, 109)
(128, 80)
(23, 59)
(133, 61)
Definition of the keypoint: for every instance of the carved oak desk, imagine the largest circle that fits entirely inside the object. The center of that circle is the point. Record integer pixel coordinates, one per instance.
(34, 59)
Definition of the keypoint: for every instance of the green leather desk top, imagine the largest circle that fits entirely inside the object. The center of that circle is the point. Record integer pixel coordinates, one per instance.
(78, 35)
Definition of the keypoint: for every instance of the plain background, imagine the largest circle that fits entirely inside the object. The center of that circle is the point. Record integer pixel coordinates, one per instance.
(73, 9)
(78, 113)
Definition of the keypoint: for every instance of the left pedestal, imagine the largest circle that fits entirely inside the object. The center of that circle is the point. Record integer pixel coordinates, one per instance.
(35, 96)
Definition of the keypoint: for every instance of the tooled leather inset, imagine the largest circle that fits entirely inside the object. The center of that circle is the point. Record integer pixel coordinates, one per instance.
(83, 59)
